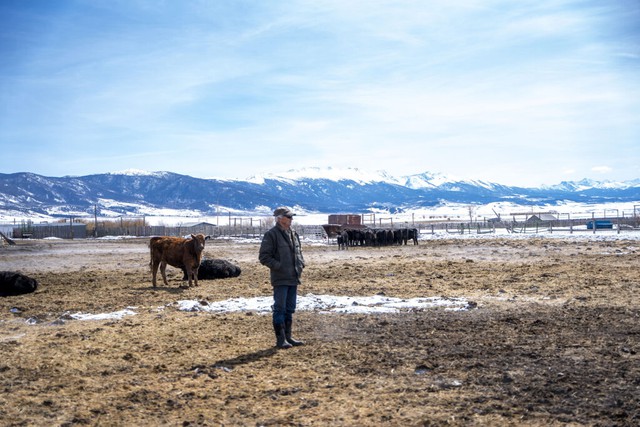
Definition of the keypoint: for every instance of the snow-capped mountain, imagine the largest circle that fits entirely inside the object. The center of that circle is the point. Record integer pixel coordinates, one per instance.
(588, 184)
(333, 174)
(312, 189)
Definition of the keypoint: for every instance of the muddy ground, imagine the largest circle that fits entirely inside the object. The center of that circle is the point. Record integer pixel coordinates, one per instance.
(553, 340)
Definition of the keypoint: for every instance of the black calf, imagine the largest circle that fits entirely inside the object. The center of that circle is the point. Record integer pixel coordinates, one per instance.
(216, 269)
(12, 283)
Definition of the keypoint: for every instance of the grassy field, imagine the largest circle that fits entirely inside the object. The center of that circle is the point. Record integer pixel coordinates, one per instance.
(553, 338)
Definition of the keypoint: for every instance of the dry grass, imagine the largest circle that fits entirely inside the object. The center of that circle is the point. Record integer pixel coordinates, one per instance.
(554, 339)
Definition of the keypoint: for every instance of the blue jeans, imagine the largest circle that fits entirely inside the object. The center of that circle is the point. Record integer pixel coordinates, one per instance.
(284, 303)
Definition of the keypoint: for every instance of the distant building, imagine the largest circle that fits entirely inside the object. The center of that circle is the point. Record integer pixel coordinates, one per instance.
(205, 228)
(539, 218)
(339, 221)
(345, 219)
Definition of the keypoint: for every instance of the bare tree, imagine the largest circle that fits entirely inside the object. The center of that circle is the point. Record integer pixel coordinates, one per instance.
(472, 211)
(269, 221)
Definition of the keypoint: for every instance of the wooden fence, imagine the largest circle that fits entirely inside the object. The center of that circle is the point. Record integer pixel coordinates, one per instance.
(81, 230)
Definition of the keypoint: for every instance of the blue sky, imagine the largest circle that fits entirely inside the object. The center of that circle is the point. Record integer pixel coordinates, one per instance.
(513, 92)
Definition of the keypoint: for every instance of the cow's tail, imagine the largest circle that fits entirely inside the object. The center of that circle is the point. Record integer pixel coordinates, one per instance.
(150, 256)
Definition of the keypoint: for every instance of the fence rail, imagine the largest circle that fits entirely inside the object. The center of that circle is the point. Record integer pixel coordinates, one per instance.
(617, 225)
(81, 230)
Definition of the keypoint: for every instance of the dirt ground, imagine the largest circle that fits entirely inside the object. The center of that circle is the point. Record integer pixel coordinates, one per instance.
(553, 340)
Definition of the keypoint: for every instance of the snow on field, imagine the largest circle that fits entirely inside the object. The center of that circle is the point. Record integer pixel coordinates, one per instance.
(576, 233)
(329, 304)
(321, 303)
(104, 316)
(443, 211)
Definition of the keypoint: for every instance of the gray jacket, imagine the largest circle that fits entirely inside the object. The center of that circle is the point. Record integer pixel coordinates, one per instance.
(283, 256)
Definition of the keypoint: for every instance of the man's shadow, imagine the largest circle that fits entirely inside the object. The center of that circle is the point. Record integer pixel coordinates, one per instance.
(227, 365)
(243, 359)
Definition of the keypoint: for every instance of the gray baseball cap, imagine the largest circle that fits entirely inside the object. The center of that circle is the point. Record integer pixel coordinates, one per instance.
(283, 211)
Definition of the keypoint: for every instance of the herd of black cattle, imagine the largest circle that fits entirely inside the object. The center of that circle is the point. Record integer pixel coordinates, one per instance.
(376, 237)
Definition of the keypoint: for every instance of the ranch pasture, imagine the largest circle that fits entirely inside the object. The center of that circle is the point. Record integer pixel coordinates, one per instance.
(550, 336)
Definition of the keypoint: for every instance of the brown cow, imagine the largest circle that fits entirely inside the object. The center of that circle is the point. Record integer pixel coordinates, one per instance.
(177, 252)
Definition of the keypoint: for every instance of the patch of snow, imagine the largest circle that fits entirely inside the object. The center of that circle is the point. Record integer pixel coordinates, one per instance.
(117, 315)
(329, 303)
(116, 237)
(321, 303)
(376, 304)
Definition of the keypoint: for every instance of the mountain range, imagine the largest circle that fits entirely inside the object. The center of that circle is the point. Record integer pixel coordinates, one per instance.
(318, 190)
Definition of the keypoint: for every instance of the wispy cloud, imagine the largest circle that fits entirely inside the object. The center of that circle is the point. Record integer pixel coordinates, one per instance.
(601, 169)
(456, 87)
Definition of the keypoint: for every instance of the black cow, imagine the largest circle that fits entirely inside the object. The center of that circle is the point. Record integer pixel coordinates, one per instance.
(413, 235)
(343, 240)
(215, 269)
(397, 237)
(370, 237)
(353, 239)
(12, 283)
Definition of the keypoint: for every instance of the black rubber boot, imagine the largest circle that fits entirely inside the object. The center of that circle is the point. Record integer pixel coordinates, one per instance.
(281, 340)
(289, 338)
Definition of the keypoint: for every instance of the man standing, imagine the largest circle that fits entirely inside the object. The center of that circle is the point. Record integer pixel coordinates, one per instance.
(281, 252)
